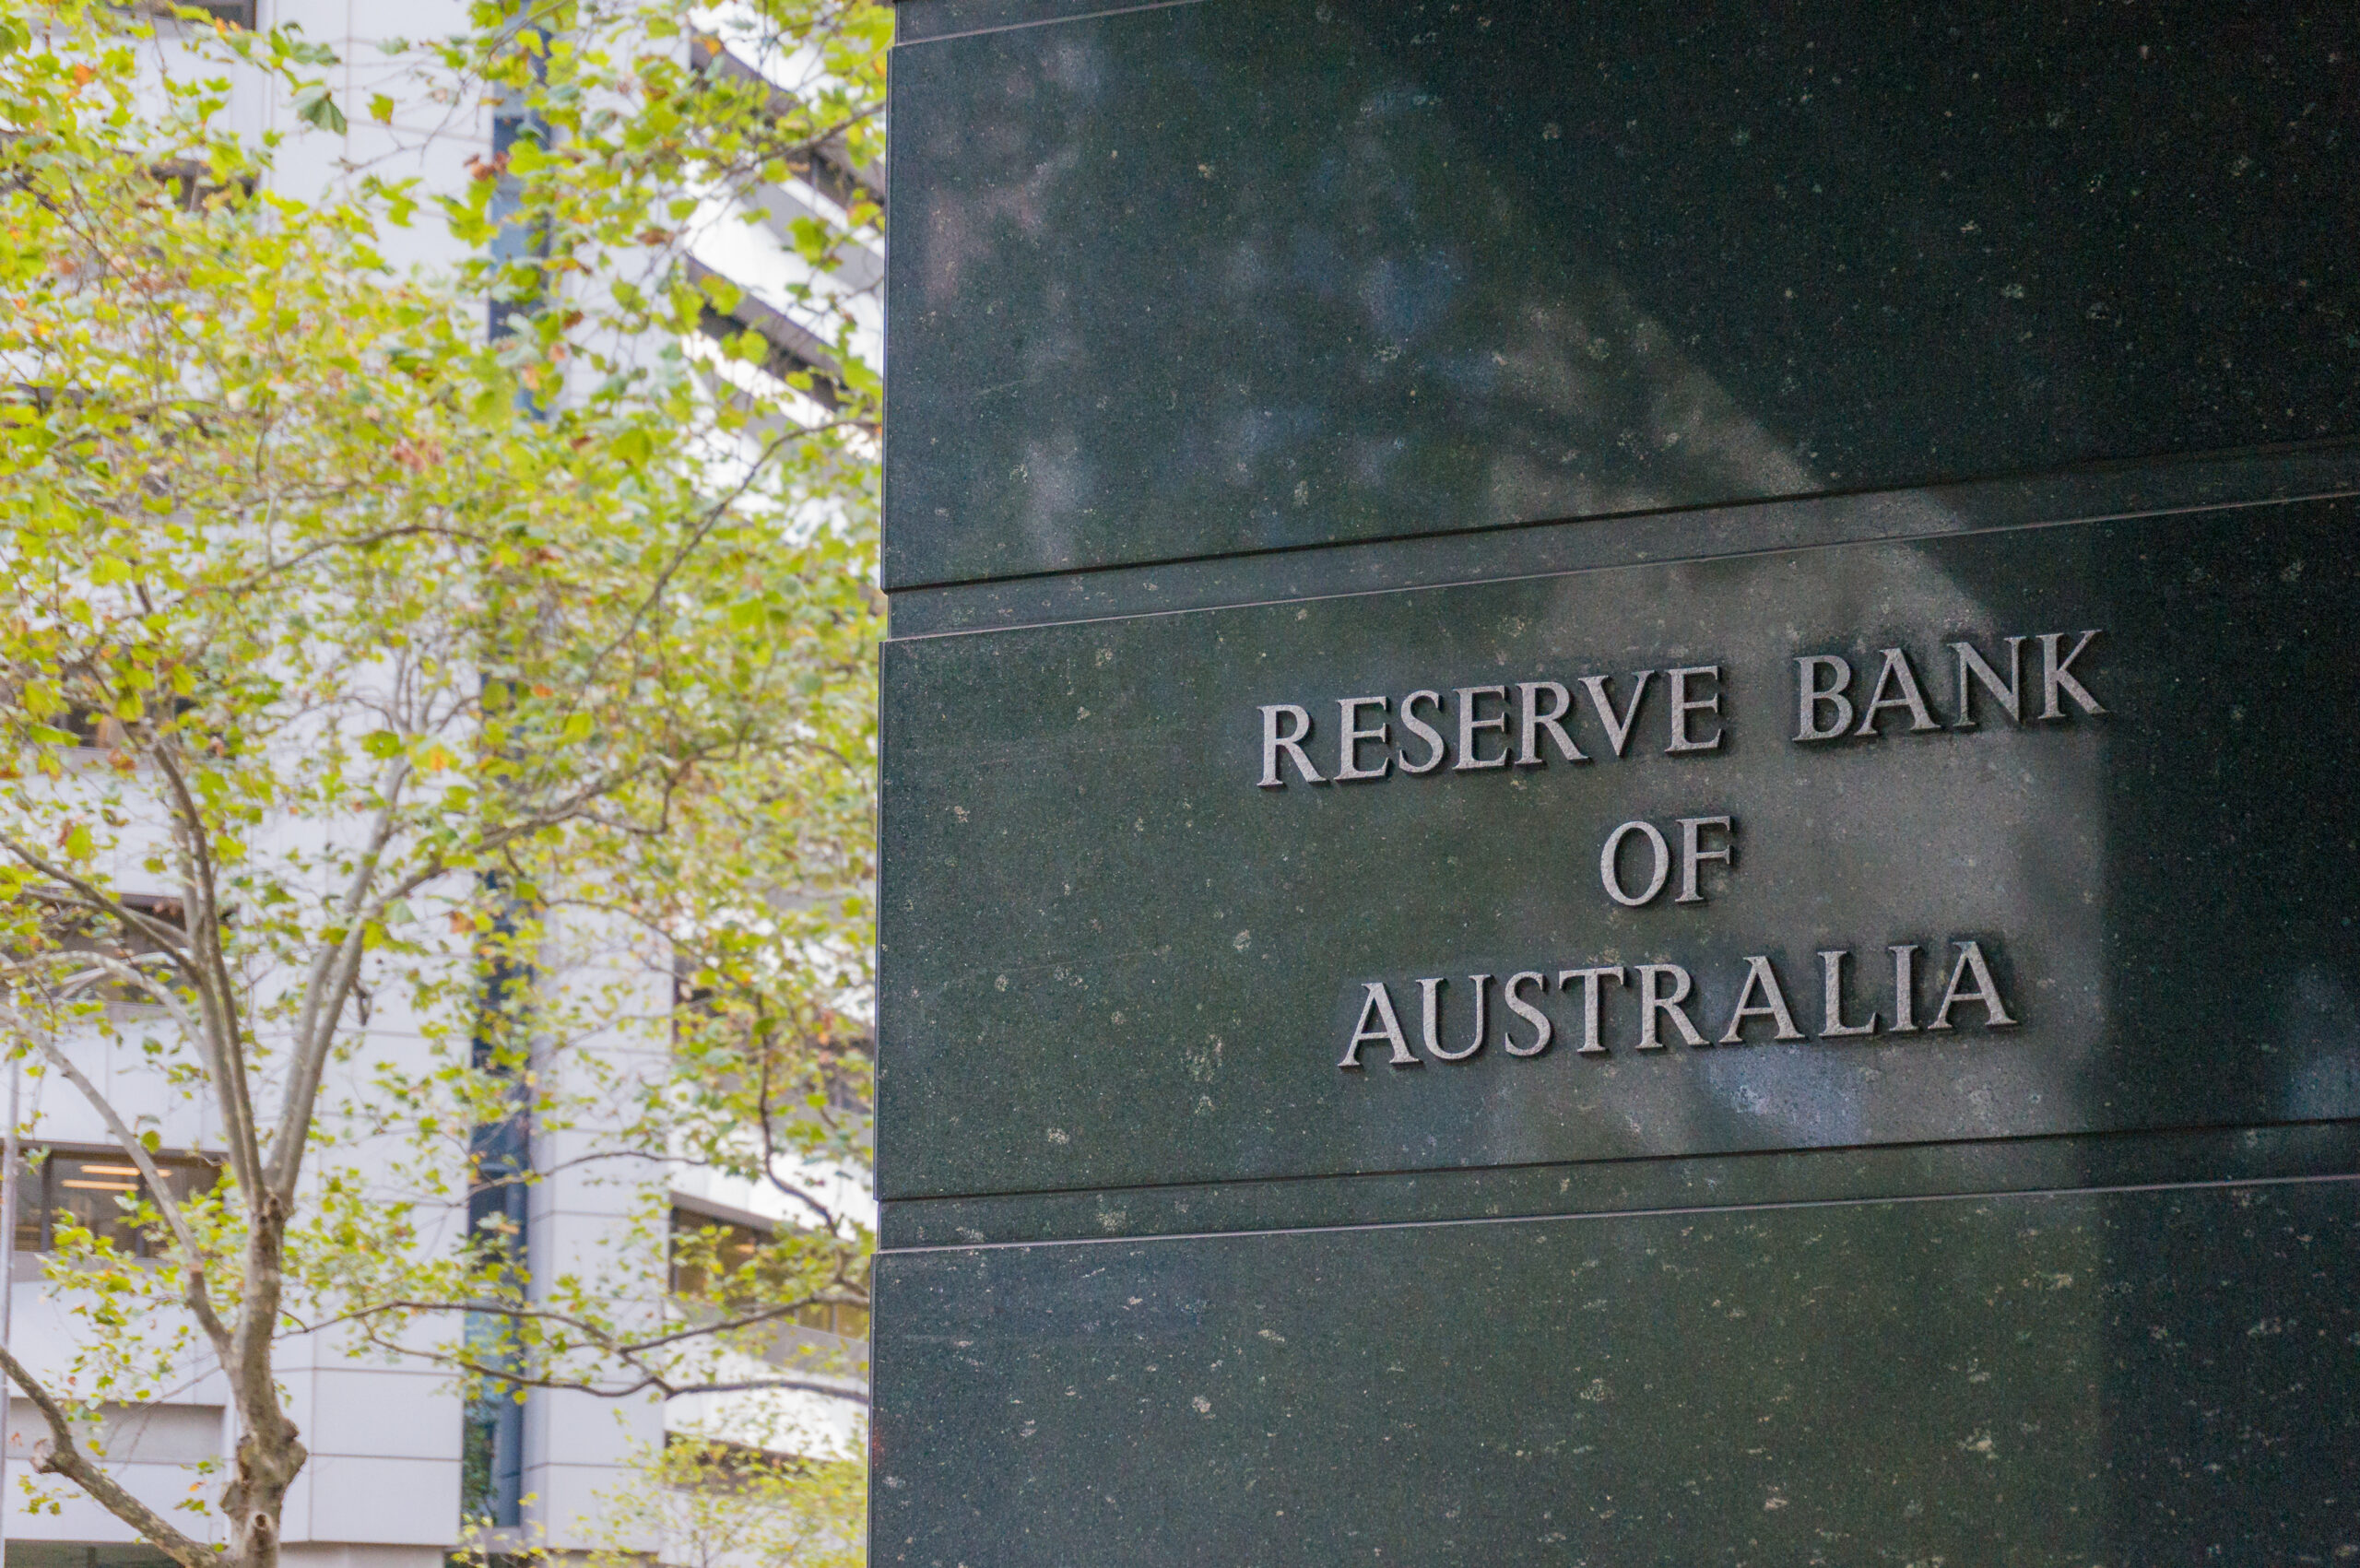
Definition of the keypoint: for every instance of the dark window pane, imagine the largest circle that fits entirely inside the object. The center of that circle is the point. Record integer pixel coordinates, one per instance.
(77, 930)
(699, 1243)
(92, 1190)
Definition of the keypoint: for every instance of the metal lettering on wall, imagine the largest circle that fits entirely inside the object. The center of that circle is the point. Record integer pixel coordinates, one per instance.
(1996, 834)
(1635, 863)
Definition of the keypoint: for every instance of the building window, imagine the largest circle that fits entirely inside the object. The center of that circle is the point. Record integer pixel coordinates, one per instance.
(835, 1317)
(78, 930)
(237, 13)
(848, 1078)
(90, 1189)
(705, 1245)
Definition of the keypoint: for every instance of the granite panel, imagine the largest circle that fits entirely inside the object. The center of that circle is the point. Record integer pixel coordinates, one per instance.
(2129, 1378)
(1109, 959)
(1694, 1184)
(1258, 273)
(2320, 470)
(1249, 353)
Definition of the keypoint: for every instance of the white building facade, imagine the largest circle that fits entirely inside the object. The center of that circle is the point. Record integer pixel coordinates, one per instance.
(399, 1463)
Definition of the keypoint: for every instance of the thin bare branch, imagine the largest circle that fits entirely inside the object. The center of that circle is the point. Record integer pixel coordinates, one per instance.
(98, 901)
(66, 1458)
(193, 1256)
(329, 985)
(216, 993)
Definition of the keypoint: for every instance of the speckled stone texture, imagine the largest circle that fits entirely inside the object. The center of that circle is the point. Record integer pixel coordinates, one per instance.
(1253, 352)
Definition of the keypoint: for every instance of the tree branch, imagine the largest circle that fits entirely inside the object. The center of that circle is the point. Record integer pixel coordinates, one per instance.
(654, 1381)
(95, 898)
(200, 1302)
(219, 1040)
(630, 1351)
(66, 1458)
(326, 990)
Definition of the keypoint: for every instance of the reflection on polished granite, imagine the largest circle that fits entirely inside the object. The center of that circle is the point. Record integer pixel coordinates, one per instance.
(1251, 352)
(1111, 959)
(1248, 274)
(2039, 1381)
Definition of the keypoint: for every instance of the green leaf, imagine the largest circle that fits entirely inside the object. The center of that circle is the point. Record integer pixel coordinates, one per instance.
(315, 106)
(725, 294)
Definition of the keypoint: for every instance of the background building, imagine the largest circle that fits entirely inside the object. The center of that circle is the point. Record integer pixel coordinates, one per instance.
(397, 1459)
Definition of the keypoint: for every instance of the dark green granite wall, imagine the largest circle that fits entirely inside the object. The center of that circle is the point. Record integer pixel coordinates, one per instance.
(1179, 280)
(1254, 357)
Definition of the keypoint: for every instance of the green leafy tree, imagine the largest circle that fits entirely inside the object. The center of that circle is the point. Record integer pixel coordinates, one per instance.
(718, 1504)
(408, 730)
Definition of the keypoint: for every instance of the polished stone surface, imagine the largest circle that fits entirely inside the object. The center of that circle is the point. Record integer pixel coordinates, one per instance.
(1110, 960)
(2310, 471)
(1692, 1184)
(1253, 352)
(1253, 274)
(2116, 1379)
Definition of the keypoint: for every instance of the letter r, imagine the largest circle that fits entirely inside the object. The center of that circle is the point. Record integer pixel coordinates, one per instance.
(1290, 741)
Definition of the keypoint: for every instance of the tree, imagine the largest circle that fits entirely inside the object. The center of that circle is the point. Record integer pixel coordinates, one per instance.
(400, 723)
(716, 1505)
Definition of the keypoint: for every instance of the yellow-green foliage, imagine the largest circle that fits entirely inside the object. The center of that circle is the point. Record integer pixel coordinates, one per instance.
(398, 657)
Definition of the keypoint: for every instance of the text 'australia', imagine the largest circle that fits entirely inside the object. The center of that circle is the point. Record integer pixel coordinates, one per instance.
(1651, 1006)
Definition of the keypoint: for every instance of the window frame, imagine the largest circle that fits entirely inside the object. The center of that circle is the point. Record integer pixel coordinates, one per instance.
(44, 1170)
(838, 1319)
